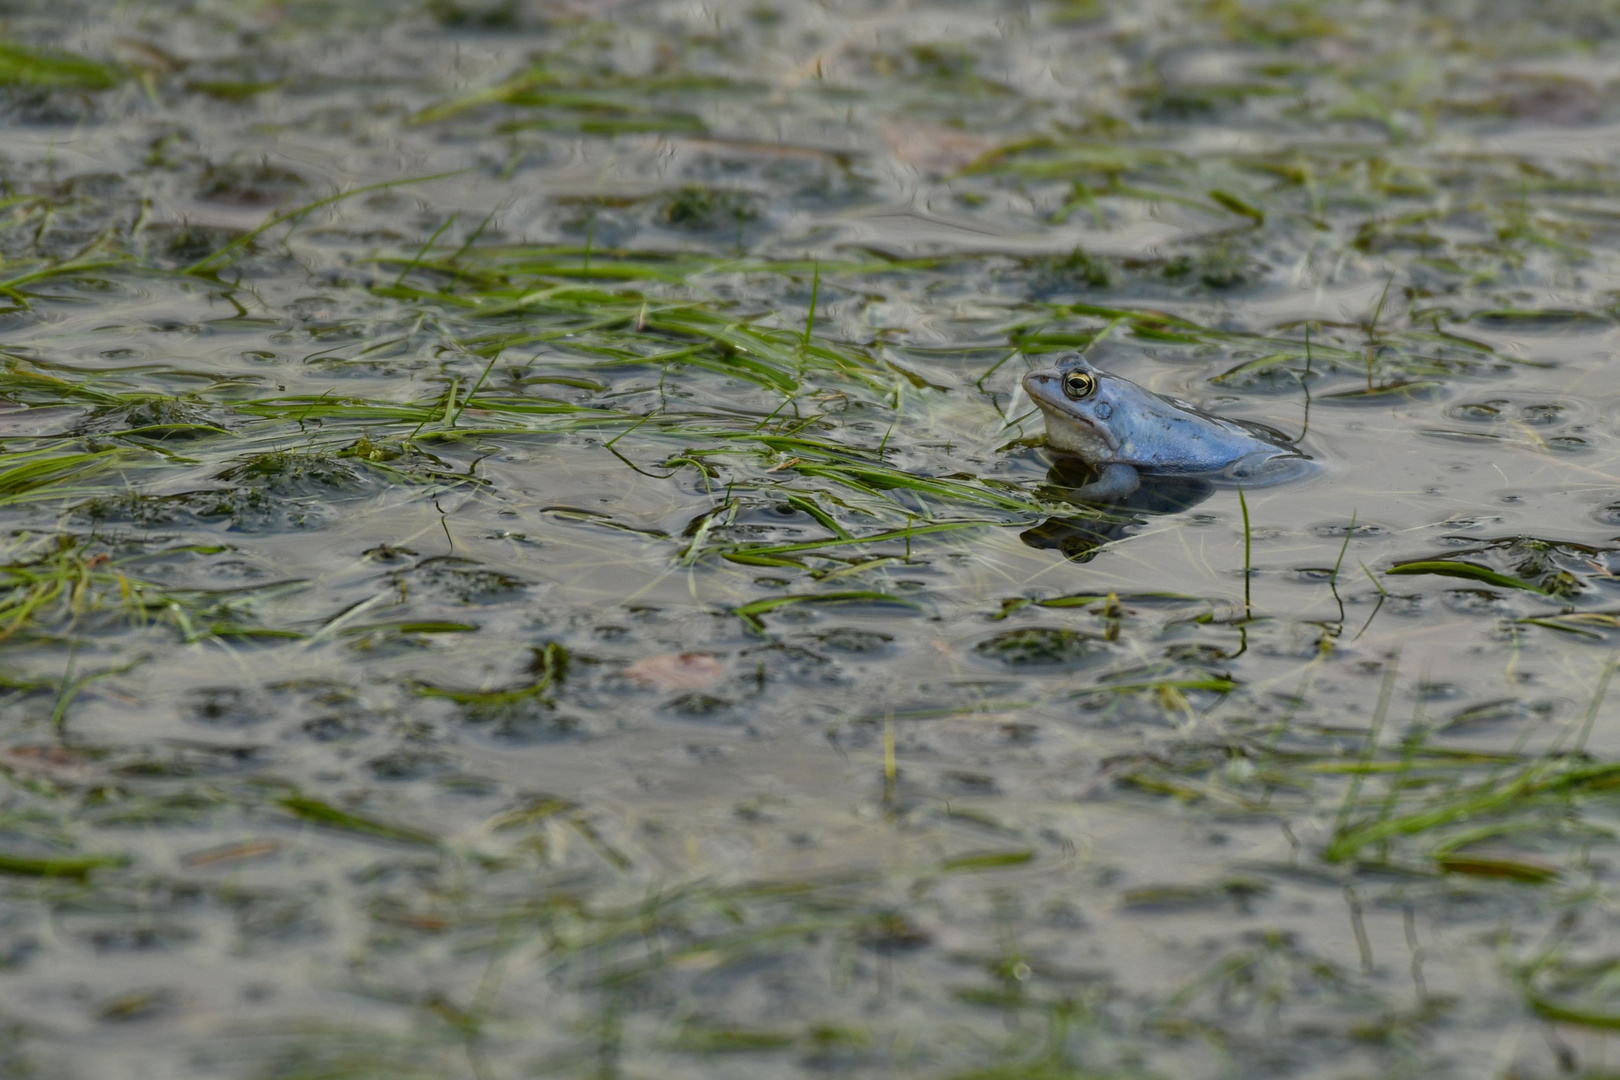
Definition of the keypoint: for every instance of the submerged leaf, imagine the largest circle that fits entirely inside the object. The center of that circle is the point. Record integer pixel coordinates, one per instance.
(990, 860)
(74, 866)
(23, 66)
(1531, 873)
(1471, 571)
(323, 813)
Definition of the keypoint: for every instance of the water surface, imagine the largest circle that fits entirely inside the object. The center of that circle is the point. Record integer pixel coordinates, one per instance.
(526, 555)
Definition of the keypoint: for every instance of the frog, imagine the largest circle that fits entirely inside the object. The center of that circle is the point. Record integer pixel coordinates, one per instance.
(1124, 431)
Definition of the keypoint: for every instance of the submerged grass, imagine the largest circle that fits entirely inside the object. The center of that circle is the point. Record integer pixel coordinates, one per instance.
(1417, 807)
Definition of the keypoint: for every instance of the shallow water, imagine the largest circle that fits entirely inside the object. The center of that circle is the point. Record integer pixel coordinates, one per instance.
(581, 593)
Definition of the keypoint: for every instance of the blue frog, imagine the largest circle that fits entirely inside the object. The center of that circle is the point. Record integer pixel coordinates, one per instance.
(1123, 431)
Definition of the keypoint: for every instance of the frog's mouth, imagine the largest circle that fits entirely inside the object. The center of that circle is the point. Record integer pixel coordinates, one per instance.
(1045, 388)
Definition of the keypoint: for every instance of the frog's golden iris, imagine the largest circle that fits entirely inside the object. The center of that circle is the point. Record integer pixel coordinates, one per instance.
(1079, 384)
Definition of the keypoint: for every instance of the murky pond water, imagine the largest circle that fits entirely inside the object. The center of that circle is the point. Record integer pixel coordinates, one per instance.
(526, 554)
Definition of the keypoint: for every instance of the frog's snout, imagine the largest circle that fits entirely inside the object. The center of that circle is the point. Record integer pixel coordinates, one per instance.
(1039, 384)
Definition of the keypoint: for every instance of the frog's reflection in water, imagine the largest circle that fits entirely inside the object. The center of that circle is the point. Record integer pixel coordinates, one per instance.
(1079, 537)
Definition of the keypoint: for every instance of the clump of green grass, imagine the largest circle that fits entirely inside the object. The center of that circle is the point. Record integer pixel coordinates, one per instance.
(696, 207)
(43, 473)
(159, 418)
(290, 474)
(58, 584)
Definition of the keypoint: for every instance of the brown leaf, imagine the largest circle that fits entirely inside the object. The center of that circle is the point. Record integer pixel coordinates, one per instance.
(936, 151)
(250, 849)
(676, 671)
(52, 761)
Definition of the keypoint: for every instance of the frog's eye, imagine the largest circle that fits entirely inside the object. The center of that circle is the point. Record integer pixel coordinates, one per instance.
(1079, 384)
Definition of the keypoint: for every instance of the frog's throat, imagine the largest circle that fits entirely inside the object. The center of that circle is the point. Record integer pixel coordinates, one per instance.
(1100, 430)
(1042, 389)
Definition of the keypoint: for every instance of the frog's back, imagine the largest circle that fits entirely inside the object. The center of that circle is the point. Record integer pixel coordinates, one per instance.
(1177, 438)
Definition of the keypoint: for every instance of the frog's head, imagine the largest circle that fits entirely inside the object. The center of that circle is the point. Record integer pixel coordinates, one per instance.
(1083, 416)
